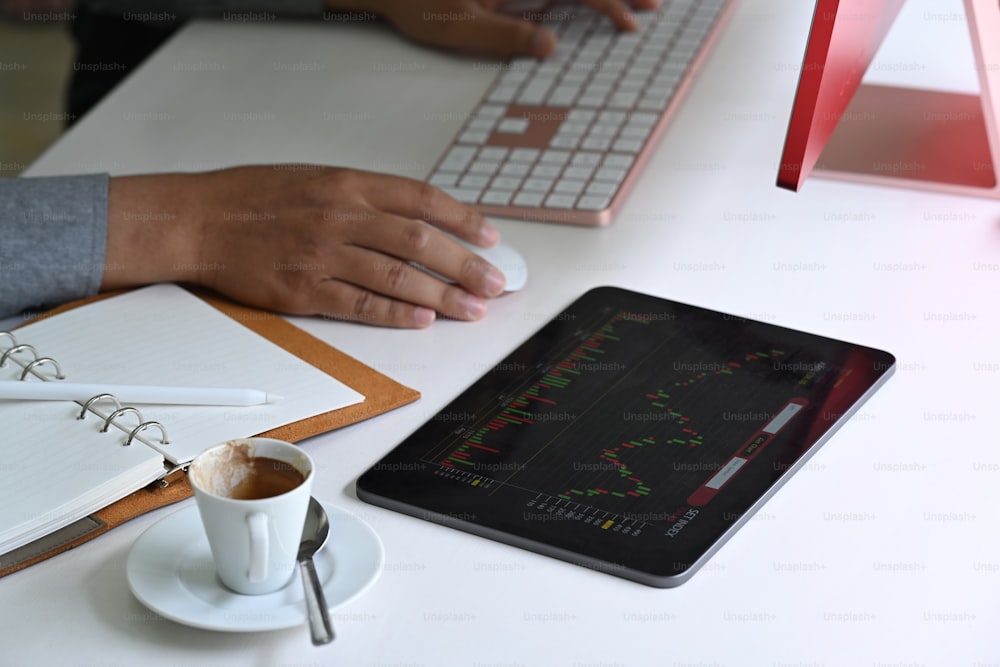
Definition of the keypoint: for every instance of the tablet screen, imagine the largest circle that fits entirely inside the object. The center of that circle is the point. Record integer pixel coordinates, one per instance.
(630, 434)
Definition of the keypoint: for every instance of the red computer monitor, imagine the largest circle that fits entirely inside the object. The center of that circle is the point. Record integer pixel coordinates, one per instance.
(841, 128)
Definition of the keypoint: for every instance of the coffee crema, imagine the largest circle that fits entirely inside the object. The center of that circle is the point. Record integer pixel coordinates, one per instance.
(267, 478)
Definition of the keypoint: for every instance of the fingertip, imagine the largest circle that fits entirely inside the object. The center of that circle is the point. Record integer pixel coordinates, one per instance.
(423, 317)
(543, 43)
(467, 306)
(496, 282)
(489, 235)
(627, 21)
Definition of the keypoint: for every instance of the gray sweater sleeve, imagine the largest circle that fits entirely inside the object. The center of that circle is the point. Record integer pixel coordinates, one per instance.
(207, 8)
(53, 233)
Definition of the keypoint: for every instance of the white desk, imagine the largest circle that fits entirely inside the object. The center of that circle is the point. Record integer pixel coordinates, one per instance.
(883, 551)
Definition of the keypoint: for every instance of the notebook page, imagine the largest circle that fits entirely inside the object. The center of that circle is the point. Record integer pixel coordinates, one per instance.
(57, 469)
(160, 335)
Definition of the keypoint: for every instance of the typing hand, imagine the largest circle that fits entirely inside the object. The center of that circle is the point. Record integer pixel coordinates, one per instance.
(476, 25)
(305, 240)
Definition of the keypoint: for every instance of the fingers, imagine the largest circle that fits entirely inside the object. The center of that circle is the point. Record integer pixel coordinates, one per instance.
(475, 27)
(343, 301)
(418, 242)
(391, 279)
(415, 200)
(376, 280)
(492, 34)
(506, 37)
(620, 12)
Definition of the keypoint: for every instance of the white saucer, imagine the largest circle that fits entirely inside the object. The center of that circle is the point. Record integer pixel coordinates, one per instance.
(170, 570)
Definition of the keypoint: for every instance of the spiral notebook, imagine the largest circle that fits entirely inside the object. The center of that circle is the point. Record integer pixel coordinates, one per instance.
(63, 460)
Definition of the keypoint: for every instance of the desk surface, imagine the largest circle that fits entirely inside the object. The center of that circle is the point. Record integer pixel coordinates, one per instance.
(881, 551)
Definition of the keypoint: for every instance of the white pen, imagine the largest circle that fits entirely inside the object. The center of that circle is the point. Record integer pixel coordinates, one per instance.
(134, 393)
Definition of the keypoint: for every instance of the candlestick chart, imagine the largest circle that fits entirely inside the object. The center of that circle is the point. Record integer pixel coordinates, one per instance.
(631, 429)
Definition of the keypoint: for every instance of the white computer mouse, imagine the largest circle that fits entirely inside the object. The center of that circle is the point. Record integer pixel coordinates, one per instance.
(505, 258)
(502, 256)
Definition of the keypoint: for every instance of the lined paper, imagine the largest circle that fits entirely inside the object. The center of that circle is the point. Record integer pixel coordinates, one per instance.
(57, 469)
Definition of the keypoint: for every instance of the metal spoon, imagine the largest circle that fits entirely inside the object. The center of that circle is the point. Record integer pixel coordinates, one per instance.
(314, 535)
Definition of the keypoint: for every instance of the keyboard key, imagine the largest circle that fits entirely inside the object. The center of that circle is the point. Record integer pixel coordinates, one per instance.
(601, 129)
(513, 77)
(611, 174)
(563, 96)
(485, 167)
(593, 203)
(627, 146)
(538, 184)
(464, 195)
(601, 188)
(635, 132)
(513, 125)
(555, 157)
(444, 179)
(529, 199)
(498, 153)
(560, 201)
(596, 143)
(566, 141)
(458, 158)
(580, 173)
(491, 111)
(474, 181)
(612, 117)
(484, 124)
(535, 92)
(504, 94)
(620, 161)
(585, 158)
(545, 170)
(567, 186)
(651, 104)
(507, 183)
(581, 115)
(497, 197)
(474, 137)
(643, 119)
(572, 128)
(524, 154)
(594, 101)
(515, 169)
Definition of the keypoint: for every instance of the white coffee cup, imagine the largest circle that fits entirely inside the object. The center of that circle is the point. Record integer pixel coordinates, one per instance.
(254, 540)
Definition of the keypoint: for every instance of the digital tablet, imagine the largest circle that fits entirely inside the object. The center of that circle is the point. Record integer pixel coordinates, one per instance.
(630, 434)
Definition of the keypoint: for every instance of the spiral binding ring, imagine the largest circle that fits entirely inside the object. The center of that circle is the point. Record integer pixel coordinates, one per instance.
(143, 426)
(11, 351)
(15, 348)
(41, 362)
(95, 399)
(117, 413)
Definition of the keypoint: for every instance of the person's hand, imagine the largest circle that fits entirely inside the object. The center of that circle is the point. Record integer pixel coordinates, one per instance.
(304, 239)
(478, 26)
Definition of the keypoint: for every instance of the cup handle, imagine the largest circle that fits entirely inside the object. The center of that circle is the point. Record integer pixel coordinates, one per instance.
(257, 522)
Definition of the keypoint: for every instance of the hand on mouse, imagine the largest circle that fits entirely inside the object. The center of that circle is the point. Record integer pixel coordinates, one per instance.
(476, 26)
(305, 240)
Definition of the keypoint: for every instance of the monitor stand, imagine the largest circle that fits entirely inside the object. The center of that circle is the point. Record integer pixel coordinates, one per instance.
(922, 138)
